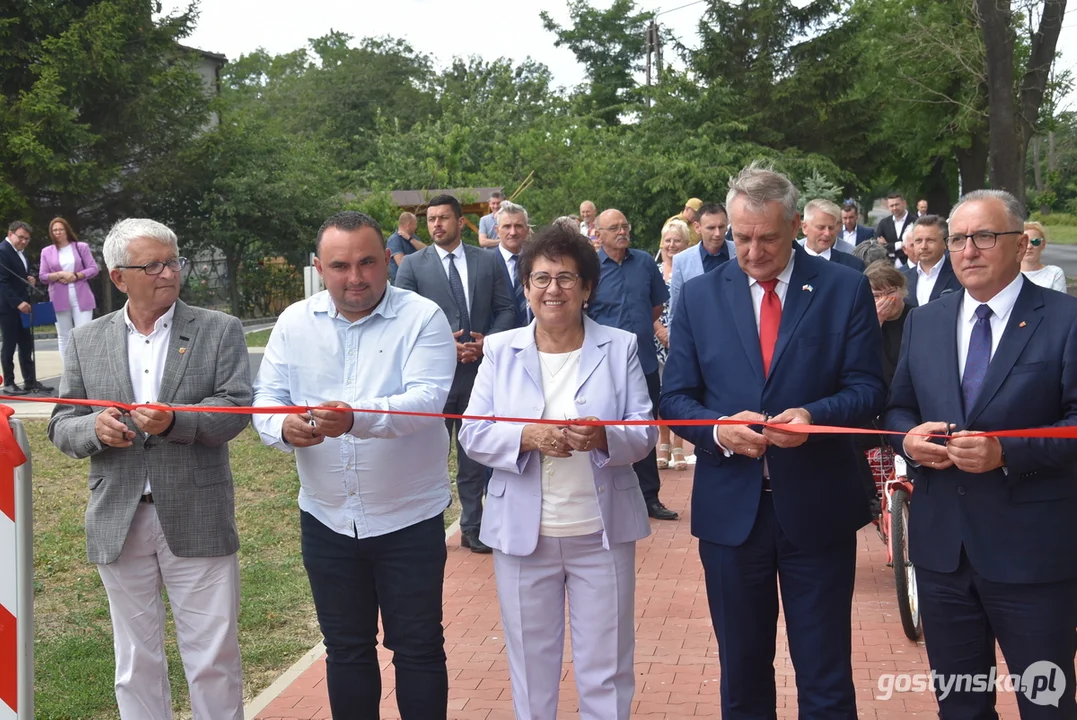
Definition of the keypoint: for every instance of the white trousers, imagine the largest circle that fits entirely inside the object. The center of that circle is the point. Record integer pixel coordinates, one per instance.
(66, 320)
(601, 602)
(204, 594)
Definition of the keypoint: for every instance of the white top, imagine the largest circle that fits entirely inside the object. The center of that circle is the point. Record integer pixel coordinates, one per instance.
(925, 281)
(569, 499)
(510, 264)
(825, 254)
(1049, 276)
(1001, 306)
(66, 256)
(389, 472)
(460, 260)
(146, 358)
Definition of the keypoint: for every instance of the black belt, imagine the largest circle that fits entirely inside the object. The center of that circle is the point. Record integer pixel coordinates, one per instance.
(147, 498)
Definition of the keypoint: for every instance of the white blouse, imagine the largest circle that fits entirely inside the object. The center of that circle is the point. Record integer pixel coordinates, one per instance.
(1049, 276)
(569, 499)
(67, 264)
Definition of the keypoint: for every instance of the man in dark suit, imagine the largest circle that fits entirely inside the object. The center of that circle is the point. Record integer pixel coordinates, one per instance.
(891, 228)
(933, 275)
(471, 287)
(991, 525)
(821, 234)
(15, 282)
(775, 506)
(852, 231)
(512, 231)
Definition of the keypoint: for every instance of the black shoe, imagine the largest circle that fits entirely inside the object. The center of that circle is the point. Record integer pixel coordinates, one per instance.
(37, 387)
(659, 511)
(470, 539)
(13, 390)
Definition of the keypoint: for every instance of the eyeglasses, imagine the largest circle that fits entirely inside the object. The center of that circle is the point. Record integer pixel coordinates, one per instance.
(24, 238)
(982, 239)
(157, 267)
(627, 227)
(565, 281)
(1035, 242)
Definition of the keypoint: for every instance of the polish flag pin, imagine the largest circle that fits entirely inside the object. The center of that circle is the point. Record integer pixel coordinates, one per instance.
(1023, 323)
(182, 350)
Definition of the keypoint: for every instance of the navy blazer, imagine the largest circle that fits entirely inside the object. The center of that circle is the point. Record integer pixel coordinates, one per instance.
(863, 233)
(519, 300)
(828, 360)
(844, 258)
(13, 290)
(1016, 526)
(945, 283)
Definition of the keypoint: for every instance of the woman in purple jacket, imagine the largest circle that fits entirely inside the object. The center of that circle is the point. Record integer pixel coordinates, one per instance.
(66, 266)
(564, 509)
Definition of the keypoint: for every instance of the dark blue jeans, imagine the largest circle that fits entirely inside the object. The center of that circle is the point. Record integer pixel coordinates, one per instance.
(401, 574)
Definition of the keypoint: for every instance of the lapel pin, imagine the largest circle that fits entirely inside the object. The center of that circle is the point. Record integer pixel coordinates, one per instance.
(182, 350)
(809, 288)
(1023, 323)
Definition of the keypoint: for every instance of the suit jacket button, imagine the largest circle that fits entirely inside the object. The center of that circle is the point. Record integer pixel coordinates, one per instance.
(581, 400)
(961, 490)
(602, 488)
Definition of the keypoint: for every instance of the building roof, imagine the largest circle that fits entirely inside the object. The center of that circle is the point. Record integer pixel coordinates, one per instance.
(466, 196)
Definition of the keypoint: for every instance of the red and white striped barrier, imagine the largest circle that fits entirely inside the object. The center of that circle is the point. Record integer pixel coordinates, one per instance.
(16, 584)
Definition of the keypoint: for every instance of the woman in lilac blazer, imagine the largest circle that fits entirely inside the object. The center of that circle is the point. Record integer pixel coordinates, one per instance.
(563, 509)
(66, 266)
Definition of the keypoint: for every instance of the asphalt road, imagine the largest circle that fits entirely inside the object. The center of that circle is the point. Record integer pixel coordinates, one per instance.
(1065, 256)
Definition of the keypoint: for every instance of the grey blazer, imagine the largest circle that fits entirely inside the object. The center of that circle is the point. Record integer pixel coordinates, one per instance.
(492, 309)
(188, 471)
(687, 264)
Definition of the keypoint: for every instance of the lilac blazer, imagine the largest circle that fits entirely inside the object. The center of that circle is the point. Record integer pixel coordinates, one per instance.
(610, 386)
(84, 263)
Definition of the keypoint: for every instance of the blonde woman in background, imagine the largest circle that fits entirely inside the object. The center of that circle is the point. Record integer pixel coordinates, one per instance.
(1048, 276)
(675, 238)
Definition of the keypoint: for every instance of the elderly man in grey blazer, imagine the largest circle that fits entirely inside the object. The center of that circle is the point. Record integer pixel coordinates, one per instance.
(471, 286)
(161, 508)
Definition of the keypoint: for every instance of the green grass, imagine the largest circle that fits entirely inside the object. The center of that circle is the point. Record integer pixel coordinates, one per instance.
(73, 632)
(258, 338)
(1062, 234)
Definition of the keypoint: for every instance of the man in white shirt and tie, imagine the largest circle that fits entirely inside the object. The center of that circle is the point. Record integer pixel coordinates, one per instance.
(15, 282)
(933, 275)
(513, 231)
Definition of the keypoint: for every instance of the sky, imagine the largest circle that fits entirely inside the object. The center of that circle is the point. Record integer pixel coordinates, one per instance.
(510, 29)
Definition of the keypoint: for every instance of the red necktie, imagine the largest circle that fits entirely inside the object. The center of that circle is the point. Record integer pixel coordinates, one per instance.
(770, 319)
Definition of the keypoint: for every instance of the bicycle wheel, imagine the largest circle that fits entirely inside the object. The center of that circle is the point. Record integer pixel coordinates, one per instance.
(904, 572)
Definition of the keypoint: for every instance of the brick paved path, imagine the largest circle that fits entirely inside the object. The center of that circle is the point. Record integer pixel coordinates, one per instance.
(676, 654)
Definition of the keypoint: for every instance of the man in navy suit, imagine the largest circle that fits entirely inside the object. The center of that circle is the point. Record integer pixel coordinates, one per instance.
(16, 279)
(852, 231)
(891, 229)
(512, 231)
(933, 275)
(785, 336)
(991, 525)
(821, 235)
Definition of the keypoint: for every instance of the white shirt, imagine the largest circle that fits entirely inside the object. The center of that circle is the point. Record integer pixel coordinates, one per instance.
(758, 292)
(25, 264)
(66, 256)
(825, 254)
(569, 501)
(510, 263)
(1049, 276)
(849, 236)
(389, 471)
(925, 281)
(1001, 306)
(461, 267)
(146, 357)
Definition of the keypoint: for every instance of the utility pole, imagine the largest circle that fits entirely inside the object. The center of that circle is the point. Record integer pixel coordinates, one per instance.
(654, 56)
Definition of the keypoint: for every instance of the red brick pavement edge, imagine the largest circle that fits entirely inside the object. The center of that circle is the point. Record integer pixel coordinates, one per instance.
(676, 654)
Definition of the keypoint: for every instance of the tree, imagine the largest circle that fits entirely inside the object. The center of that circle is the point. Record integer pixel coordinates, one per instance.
(1015, 108)
(94, 98)
(610, 44)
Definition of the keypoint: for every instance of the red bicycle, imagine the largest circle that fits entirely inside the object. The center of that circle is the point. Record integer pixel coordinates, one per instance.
(894, 490)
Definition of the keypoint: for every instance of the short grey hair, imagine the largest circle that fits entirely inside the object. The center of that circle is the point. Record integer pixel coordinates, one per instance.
(870, 251)
(510, 208)
(116, 250)
(761, 185)
(824, 206)
(680, 226)
(1011, 204)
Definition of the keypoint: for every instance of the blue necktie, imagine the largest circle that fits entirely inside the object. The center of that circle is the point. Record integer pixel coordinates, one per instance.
(518, 290)
(979, 357)
(458, 296)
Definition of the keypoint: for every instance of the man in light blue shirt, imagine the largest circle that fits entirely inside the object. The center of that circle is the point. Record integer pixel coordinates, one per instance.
(373, 486)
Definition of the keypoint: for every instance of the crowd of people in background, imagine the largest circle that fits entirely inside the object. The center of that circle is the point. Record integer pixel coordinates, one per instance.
(758, 309)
